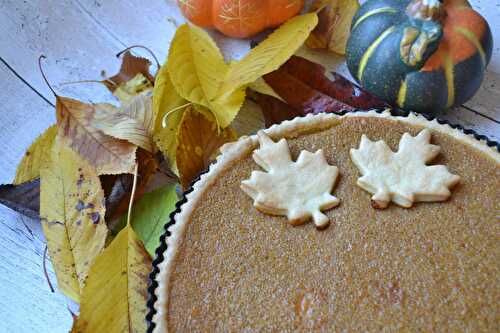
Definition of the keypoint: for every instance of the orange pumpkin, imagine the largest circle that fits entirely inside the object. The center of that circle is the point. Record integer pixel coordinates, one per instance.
(239, 18)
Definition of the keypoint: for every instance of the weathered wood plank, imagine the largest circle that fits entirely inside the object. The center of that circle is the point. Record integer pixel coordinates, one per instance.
(26, 303)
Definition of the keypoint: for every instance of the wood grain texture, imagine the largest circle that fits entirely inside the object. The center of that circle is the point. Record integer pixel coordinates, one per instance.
(80, 39)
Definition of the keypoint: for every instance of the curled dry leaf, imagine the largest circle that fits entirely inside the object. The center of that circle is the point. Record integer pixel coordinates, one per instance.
(115, 294)
(23, 198)
(72, 215)
(35, 156)
(275, 110)
(77, 128)
(133, 78)
(198, 141)
(133, 122)
(196, 68)
(334, 26)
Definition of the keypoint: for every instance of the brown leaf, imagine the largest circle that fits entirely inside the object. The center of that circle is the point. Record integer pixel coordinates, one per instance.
(117, 188)
(130, 68)
(77, 128)
(301, 96)
(23, 198)
(340, 88)
(334, 24)
(274, 110)
(198, 141)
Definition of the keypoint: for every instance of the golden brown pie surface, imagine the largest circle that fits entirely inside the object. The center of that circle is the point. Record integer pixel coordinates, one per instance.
(432, 267)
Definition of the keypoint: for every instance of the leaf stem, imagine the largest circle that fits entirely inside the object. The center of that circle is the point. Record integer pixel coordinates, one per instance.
(132, 195)
(165, 117)
(141, 47)
(43, 74)
(44, 264)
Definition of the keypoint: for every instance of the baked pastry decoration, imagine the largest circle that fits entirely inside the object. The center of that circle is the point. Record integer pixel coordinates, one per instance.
(402, 177)
(299, 190)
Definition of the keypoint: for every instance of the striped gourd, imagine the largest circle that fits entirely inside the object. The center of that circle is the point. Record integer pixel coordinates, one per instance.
(421, 55)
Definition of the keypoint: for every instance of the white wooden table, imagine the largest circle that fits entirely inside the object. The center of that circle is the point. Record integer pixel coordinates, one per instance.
(80, 39)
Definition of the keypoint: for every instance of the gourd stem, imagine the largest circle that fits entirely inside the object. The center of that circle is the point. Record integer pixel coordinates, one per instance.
(429, 10)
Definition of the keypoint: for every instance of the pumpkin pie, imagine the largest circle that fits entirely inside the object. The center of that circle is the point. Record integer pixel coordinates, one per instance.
(226, 266)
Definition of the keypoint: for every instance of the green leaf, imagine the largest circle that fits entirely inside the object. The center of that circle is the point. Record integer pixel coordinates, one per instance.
(150, 214)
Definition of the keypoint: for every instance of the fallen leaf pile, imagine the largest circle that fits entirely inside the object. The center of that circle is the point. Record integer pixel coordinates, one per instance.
(89, 176)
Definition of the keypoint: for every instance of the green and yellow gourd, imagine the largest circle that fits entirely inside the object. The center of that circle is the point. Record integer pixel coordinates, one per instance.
(421, 55)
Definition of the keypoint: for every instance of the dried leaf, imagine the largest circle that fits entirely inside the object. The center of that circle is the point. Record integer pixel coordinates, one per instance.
(23, 198)
(198, 141)
(270, 54)
(133, 122)
(274, 110)
(196, 68)
(249, 120)
(118, 187)
(115, 294)
(72, 215)
(36, 155)
(150, 214)
(133, 78)
(166, 99)
(334, 26)
(301, 96)
(130, 89)
(77, 127)
(402, 177)
(335, 85)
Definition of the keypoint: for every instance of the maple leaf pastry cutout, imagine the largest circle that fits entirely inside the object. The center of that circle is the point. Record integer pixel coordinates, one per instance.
(299, 190)
(402, 177)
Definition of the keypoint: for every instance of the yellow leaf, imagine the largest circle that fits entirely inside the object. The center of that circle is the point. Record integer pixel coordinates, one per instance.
(197, 68)
(333, 29)
(72, 216)
(129, 89)
(270, 54)
(77, 128)
(249, 120)
(132, 122)
(115, 294)
(166, 99)
(198, 141)
(35, 156)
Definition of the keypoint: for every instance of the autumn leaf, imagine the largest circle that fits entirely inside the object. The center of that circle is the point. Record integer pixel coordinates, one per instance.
(275, 110)
(23, 198)
(166, 100)
(132, 79)
(198, 141)
(133, 122)
(77, 127)
(150, 214)
(334, 85)
(301, 96)
(196, 68)
(249, 120)
(72, 216)
(37, 154)
(271, 53)
(117, 188)
(334, 26)
(115, 294)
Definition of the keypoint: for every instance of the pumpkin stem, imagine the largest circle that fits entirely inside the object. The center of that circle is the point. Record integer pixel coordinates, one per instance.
(428, 10)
